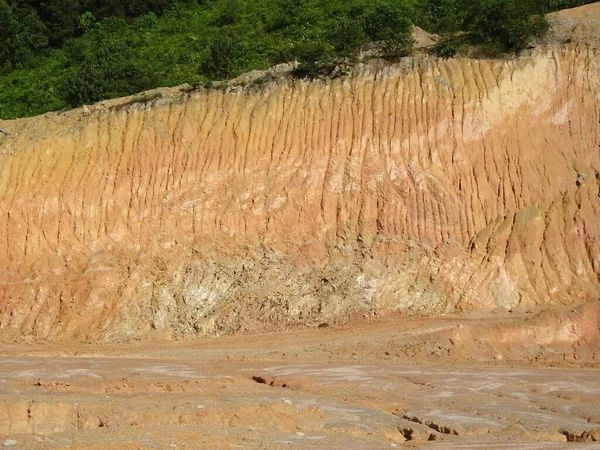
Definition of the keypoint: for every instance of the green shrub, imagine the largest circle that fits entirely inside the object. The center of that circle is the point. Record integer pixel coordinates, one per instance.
(22, 34)
(68, 52)
(445, 50)
(439, 16)
(391, 26)
(108, 72)
(347, 34)
(224, 50)
(505, 25)
(555, 5)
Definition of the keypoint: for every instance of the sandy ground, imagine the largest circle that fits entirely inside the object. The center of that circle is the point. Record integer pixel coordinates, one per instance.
(579, 25)
(373, 383)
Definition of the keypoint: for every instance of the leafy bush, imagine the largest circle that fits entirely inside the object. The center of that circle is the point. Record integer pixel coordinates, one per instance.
(22, 34)
(347, 34)
(505, 25)
(445, 50)
(315, 59)
(68, 52)
(391, 26)
(498, 25)
(555, 5)
(230, 13)
(223, 53)
(108, 72)
(440, 16)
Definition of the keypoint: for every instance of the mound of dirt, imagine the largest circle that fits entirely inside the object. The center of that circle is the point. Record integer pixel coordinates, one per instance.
(423, 39)
(577, 25)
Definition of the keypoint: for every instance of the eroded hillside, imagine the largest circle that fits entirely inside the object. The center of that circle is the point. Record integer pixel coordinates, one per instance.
(431, 186)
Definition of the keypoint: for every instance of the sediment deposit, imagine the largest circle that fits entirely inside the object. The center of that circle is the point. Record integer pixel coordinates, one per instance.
(430, 186)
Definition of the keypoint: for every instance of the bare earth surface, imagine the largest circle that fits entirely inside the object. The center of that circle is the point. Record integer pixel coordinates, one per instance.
(409, 256)
(576, 25)
(372, 383)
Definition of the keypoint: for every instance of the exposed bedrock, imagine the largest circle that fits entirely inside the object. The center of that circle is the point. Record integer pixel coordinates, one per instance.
(430, 186)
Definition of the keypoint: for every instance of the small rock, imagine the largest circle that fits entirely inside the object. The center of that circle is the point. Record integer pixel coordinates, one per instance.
(200, 407)
(10, 442)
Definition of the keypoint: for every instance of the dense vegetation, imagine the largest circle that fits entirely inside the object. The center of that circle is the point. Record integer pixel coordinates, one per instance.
(64, 53)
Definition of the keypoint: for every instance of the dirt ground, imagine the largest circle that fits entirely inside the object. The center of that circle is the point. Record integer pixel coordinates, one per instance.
(375, 382)
(578, 25)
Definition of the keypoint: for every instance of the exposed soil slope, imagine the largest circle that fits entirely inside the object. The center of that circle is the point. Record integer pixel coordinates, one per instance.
(431, 186)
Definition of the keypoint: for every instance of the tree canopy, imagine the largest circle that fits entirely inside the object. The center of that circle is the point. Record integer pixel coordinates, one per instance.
(65, 53)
